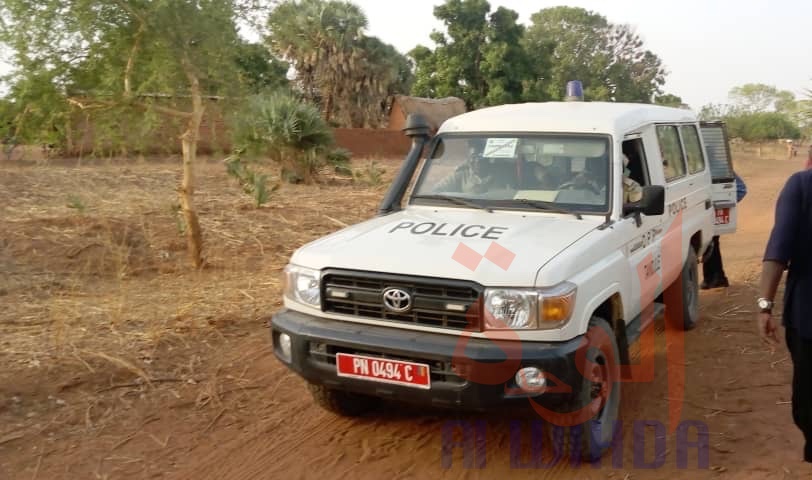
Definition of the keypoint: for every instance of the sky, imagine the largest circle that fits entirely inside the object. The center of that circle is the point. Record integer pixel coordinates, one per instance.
(707, 46)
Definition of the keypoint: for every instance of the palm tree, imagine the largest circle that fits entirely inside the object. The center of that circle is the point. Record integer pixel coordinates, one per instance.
(321, 39)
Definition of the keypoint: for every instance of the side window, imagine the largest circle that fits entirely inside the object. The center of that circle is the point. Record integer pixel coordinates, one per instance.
(693, 149)
(636, 170)
(671, 150)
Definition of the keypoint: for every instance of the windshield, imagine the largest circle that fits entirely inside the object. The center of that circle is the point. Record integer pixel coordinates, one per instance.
(569, 172)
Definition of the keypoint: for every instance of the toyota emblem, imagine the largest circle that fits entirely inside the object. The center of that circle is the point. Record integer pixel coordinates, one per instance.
(397, 300)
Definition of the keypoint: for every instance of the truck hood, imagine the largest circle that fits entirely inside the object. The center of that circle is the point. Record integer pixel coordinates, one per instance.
(492, 249)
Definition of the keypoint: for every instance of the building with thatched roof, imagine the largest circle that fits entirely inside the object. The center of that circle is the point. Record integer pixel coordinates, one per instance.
(435, 111)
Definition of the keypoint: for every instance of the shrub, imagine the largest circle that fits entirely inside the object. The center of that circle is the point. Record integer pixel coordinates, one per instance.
(372, 175)
(252, 183)
(289, 132)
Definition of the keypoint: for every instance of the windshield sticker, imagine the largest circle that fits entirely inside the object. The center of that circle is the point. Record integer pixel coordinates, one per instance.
(451, 231)
(501, 148)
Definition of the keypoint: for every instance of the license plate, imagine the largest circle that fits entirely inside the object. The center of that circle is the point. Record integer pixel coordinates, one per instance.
(722, 216)
(381, 370)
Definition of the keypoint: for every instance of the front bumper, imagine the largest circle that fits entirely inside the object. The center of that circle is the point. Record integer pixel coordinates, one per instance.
(466, 373)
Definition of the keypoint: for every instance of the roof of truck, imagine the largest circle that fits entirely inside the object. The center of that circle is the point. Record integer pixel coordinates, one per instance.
(570, 117)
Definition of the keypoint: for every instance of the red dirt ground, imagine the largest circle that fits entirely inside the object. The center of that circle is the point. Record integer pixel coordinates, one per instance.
(227, 409)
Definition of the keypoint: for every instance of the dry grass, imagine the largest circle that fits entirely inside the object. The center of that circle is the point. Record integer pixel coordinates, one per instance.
(101, 307)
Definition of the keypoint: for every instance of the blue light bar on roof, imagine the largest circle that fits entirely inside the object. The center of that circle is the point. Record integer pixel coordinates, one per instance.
(575, 91)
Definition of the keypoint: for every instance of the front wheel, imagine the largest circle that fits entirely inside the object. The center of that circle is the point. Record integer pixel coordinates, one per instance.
(682, 297)
(599, 395)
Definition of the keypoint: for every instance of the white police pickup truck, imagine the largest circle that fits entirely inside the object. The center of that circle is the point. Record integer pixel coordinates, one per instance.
(507, 266)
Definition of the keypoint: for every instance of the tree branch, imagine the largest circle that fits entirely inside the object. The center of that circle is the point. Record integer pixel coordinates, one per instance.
(131, 60)
(85, 106)
(102, 104)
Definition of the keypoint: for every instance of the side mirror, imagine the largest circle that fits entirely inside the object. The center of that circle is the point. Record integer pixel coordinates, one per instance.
(652, 204)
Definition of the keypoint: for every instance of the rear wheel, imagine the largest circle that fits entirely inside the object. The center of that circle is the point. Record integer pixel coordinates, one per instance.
(600, 393)
(342, 403)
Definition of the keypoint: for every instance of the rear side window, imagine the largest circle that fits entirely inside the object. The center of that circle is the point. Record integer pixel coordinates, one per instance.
(671, 150)
(693, 149)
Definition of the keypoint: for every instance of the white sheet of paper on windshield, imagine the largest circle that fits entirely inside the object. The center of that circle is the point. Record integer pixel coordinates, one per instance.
(539, 195)
(501, 148)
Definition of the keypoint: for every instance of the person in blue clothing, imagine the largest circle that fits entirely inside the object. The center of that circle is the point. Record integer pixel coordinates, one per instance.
(789, 250)
(713, 271)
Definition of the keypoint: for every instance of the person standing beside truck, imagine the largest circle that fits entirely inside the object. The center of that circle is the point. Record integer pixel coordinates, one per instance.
(713, 270)
(788, 250)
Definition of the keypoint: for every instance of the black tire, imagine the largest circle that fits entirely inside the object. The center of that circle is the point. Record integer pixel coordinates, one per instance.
(682, 297)
(342, 403)
(590, 440)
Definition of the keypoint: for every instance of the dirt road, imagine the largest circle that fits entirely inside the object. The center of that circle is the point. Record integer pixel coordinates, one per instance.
(735, 385)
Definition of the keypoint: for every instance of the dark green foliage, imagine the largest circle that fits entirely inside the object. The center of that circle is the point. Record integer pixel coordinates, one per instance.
(288, 132)
(259, 70)
(490, 59)
(609, 59)
(479, 58)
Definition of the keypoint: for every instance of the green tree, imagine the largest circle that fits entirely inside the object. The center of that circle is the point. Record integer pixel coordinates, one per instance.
(381, 73)
(668, 100)
(479, 57)
(259, 70)
(505, 64)
(609, 59)
(758, 97)
(320, 39)
(111, 58)
(289, 132)
(337, 65)
(762, 126)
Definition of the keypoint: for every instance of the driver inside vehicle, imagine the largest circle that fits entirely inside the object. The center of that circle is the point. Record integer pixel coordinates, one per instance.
(591, 178)
(478, 174)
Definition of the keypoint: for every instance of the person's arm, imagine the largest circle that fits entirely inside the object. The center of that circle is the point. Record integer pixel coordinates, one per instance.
(780, 247)
(451, 183)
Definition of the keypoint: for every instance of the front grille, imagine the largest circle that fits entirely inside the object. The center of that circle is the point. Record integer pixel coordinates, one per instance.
(440, 371)
(439, 303)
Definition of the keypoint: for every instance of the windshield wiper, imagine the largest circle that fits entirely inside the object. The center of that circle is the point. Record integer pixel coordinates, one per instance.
(455, 200)
(548, 206)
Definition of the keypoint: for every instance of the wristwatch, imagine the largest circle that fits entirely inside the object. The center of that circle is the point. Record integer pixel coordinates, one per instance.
(765, 305)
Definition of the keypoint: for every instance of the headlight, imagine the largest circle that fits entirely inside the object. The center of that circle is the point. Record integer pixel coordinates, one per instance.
(303, 285)
(511, 309)
(529, 309)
